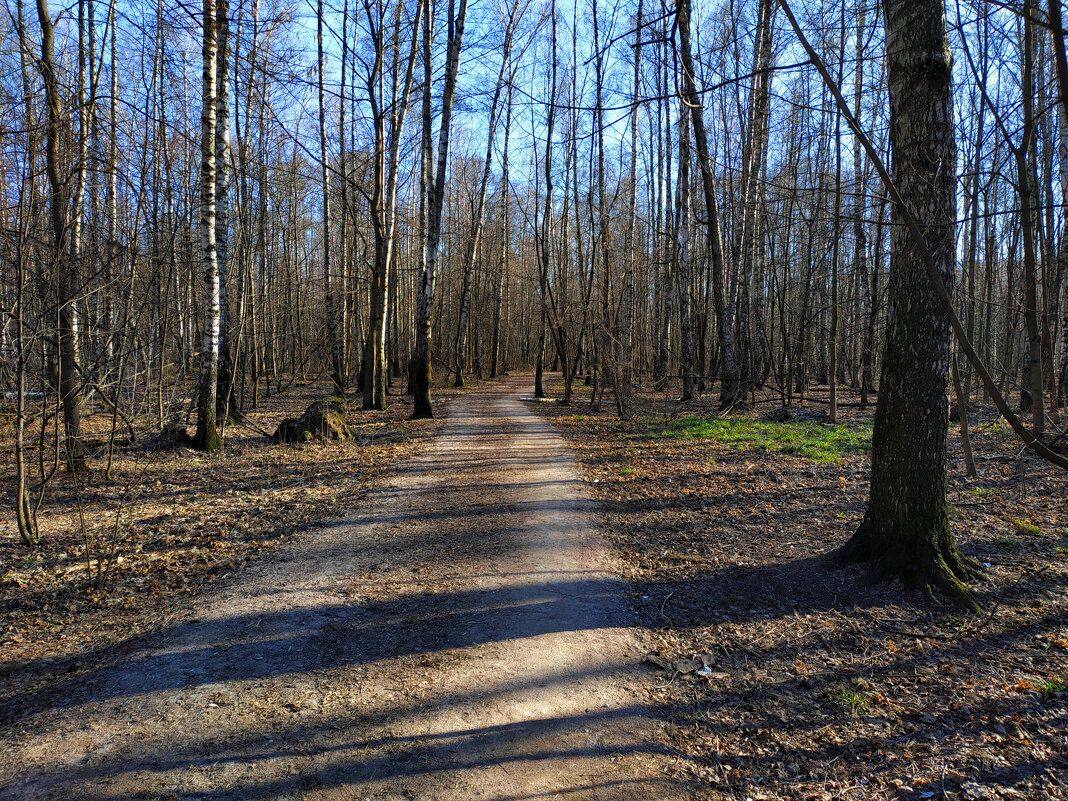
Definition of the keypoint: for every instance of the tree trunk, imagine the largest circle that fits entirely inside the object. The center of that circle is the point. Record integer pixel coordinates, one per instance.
(224, 400)
(731, 394)
(682, 260)
(207, 435)
(753, 161)
(435, 200)
(905, 533)
(1031, 388)
(499, 348)
(66, 283)
(337, 367)
(383, 201)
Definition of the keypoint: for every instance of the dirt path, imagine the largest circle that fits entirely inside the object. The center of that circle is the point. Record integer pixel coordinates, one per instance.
(459, 637)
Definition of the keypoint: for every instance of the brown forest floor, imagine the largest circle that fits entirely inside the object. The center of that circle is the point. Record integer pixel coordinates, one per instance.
(184, 519)
(790, 680)
(785, 679)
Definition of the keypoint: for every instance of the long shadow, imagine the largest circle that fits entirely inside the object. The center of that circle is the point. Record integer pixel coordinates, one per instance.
(329, 636)
(260, 645)
(407, 756)
(197, 653)
(340, 634)
(461, 510)
(421, 763)
(495, 486)
(456, 464)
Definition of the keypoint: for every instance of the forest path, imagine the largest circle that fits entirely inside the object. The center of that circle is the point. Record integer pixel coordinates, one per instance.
(457, 637)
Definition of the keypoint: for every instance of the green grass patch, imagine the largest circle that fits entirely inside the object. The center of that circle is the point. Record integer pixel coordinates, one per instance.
(859, 703)
(1024, 527)
(820, 442)
(1054, 684)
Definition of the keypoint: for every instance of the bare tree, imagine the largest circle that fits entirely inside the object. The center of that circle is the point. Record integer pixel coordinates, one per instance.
(67, 286)
(731, 393)
(207, 434)
(337, 373)
(478, 222)
(420, 367)
(905, 532)
(388, 116)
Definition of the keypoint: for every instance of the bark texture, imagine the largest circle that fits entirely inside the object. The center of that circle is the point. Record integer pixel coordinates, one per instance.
(421, 359)
(66, 280)
(207, 436)
(905, 532)
(731, 394)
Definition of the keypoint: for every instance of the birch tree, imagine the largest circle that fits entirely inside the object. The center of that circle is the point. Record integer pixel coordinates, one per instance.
(207, 434)
(420, 364)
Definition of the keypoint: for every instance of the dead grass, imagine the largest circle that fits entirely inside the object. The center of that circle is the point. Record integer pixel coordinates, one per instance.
(815, 684)
(119, 557)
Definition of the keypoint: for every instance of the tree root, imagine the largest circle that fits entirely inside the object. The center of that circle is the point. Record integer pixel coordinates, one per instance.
(932, 564)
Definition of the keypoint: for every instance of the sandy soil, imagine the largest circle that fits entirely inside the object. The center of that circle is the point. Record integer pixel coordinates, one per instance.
(459, 636)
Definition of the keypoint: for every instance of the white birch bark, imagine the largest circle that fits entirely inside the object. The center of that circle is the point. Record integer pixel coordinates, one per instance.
(207, 435)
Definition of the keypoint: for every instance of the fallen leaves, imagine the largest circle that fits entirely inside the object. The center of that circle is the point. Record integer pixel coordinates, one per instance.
(184, 520)
(699, 665)
(723, 547)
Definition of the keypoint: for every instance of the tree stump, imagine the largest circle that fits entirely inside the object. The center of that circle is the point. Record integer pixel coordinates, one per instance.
(323, 420)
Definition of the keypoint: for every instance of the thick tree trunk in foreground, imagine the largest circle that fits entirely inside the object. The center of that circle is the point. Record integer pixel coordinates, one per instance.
(905, 533)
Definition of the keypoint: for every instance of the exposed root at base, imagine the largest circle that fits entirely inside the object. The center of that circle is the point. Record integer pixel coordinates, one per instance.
(928, 567)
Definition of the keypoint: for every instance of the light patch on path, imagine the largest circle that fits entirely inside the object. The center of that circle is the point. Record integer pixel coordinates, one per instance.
(459, 637)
